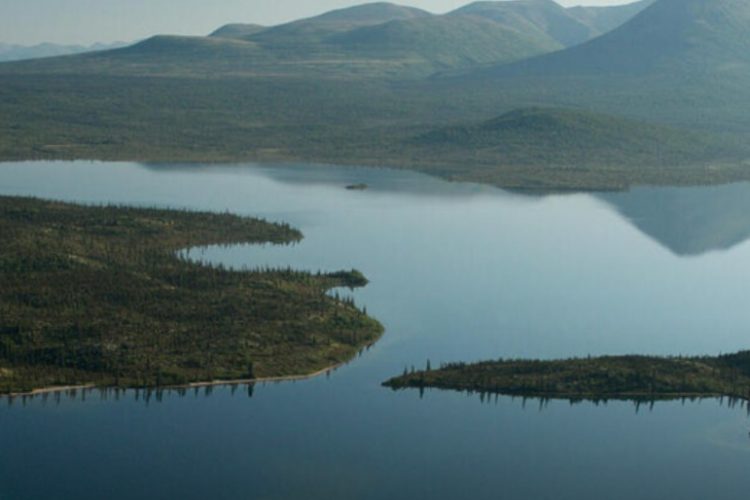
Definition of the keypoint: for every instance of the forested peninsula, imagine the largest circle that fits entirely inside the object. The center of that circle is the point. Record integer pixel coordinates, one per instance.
(99, 296)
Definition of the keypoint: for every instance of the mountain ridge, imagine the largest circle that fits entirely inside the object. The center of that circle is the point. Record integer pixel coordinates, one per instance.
(542, 16)
(675, 34)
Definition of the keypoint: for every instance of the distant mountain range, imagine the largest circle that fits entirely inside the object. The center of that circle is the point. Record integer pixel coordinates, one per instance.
(10, 52)
(369, 41)
(522, 93)
(541, 19)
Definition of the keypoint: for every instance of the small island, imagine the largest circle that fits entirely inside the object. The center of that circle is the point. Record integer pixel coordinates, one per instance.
(599, 378)
(98, 296)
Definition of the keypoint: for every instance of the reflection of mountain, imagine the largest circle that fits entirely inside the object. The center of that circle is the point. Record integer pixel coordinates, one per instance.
(688, 221)
(378, 180)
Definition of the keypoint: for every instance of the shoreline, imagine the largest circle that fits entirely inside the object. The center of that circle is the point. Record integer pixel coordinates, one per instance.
(192, 385)
(444, 171)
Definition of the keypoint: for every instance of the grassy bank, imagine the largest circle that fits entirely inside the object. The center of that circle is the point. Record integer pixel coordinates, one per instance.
(611, 377)
(98, 295)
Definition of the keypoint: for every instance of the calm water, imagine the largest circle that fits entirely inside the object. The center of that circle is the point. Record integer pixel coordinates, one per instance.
(458, 272)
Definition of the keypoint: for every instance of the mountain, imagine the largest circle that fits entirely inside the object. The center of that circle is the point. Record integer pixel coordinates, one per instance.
(677, 62)
(545, 18)
(237, 30)
(442, 41)
(688, 36)
(533, 16)
(571, 138)
(576, 147)
(605, 19)
(395, 38)
(377, 40)
(299, 34)
(20, 52)
(370, 41)
(372, 13)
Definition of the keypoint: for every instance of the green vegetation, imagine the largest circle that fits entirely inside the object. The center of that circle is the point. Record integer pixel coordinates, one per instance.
(575, 148)
(623, 377)
(98, 295)
(664, 99)
(268, 120)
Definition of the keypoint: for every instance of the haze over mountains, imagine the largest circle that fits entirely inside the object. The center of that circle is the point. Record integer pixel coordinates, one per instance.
(519, 93)
(10, 52)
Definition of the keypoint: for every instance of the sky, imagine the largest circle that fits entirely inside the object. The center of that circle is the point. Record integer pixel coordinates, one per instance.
(29, 22)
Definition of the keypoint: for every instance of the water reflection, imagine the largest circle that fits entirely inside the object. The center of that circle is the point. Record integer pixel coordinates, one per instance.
(638, 402)
(149, 396)
(688, 221)
(458, 272)
(378, 180)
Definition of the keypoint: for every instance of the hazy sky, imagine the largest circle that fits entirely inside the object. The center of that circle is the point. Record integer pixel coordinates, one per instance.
(86, 21)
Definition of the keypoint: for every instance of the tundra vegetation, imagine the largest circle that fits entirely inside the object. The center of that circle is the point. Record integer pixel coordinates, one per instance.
(524, 95)
(593, 378)
(99, 295)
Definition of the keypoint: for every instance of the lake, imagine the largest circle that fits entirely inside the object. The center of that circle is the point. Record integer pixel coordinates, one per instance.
(459, 272)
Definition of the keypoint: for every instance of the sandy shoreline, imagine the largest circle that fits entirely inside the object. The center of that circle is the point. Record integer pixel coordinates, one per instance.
(192, 385)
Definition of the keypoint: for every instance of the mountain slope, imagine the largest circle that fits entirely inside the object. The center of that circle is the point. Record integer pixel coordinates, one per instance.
(373, 13)
(677, 62)
(383, 33)
(546, 18)
(573, 149)
(237, 30)
(298, 34)
(533, 16)
(378, 40)
(444, 41)
(691, 36)
(606, 18)
(350, 43)
(573, 138)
